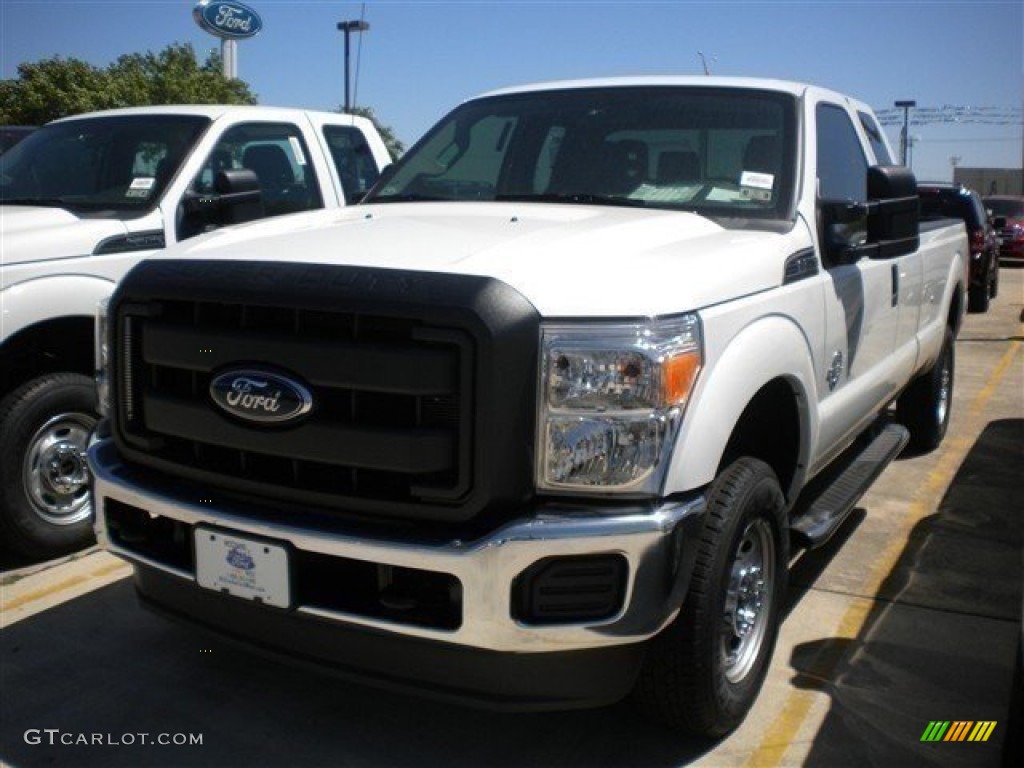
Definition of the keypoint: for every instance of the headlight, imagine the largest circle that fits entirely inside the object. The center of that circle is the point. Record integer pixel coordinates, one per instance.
(611, 399)
(102, 359)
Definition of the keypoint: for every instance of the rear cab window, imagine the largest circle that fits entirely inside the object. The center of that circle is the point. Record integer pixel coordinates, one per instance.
(353, 160)
(874, 133)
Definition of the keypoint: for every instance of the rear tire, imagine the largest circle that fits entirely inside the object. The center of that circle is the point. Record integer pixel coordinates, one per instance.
(925, 407)
(978, 298)
(45, 506)
(703, 672)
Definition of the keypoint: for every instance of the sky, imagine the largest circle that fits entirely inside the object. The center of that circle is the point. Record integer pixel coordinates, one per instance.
(420, 58)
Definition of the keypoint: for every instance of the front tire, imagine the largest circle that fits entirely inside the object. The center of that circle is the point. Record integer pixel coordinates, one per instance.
(703, 672)
(925, 407)
(45, 505)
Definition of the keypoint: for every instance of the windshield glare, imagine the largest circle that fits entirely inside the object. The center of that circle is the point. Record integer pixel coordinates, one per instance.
(121, 162)
(719, 152)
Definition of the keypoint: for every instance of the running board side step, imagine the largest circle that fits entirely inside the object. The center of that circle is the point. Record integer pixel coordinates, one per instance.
(823, 514)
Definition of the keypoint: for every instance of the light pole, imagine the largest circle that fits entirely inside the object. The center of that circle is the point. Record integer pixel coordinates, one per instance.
(347, 27)
(905, 105)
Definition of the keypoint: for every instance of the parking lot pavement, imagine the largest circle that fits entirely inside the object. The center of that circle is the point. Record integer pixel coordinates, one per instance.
(910, 615)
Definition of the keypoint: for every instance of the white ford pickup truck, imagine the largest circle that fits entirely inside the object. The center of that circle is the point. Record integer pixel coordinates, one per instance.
(536, 424)
(81, 202)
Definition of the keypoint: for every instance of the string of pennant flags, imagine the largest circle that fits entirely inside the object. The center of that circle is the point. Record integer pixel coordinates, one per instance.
(949, 114)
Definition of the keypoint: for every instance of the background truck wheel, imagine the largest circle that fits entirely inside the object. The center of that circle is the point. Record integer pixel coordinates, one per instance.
(45, 507)
(703, 672)
(925, 406)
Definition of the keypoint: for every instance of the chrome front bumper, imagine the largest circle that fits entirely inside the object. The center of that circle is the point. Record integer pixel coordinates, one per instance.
(657, 541)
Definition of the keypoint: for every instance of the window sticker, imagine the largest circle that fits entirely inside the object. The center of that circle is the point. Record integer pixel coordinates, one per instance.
(141, 187)
(756, 186)
(300, 157)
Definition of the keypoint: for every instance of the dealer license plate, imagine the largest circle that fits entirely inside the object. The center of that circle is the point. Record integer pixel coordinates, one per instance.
(243, 567)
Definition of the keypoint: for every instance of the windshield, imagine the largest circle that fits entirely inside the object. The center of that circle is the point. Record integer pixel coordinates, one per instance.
(719, 152)
(117, 162)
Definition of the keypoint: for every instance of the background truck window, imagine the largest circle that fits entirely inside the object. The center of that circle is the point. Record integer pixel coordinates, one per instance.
(353, 160)
(278, 156)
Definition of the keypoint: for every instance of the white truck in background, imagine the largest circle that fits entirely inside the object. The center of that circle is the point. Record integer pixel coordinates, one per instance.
(82, 200)
(536, 423)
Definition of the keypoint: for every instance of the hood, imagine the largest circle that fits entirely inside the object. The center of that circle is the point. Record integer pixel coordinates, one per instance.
(36, 234)
(567, 260)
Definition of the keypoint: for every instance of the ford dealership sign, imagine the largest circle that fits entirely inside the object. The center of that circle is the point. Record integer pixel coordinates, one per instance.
(228, 19)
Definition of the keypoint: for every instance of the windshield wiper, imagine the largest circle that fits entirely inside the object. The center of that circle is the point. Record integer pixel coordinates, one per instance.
(408, 197)
(578, 198)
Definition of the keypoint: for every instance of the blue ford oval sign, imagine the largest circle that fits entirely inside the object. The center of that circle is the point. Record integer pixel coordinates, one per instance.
(227, 18)
(260, 396)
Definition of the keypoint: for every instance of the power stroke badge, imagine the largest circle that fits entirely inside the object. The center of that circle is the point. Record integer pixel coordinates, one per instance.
(261, 396)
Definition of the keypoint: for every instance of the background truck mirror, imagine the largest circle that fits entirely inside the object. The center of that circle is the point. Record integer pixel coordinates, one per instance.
(238, 195)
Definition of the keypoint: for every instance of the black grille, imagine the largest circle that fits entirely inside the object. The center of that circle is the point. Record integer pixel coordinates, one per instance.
(396, 422)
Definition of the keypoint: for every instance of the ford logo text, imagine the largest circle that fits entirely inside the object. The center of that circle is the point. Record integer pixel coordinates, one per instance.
(227, 19)
(261, 396)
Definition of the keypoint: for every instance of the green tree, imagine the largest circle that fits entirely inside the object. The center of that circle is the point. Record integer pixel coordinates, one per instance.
(394, 144)
(57, 87)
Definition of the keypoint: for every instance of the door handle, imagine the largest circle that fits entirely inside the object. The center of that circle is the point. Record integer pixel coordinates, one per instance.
(895, 285)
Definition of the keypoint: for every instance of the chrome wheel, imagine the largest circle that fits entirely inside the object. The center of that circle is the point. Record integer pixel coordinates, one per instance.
(55, 474)
(945, 390)
(748, 600)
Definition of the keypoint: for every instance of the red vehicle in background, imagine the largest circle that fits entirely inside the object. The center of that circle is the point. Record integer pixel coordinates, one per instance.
(954, 201)
(1008, 215)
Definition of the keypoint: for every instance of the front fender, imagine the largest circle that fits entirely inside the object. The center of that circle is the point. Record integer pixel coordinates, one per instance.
(46, 298)
(770, 348)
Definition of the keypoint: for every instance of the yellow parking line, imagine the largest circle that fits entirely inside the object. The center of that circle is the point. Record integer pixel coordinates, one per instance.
(780, 734)
(60, 586)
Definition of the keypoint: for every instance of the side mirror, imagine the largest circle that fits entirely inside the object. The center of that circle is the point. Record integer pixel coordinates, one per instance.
(887, 225)
(844, 230)
(895, 211)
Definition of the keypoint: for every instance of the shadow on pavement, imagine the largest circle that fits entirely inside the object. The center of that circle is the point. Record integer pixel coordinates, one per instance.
(101, 665)
(941, 639)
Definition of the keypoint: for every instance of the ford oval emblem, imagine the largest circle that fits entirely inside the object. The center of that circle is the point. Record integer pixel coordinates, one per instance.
(261, 396)
(227, 19)
(239, 557)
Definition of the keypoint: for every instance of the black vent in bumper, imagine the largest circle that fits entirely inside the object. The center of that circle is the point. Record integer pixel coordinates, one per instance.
(423, 384)
(566, 590)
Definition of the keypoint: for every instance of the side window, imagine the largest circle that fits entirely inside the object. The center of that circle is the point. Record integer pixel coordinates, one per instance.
(278, 156)
(353, 160)
(875, 138)
(842, 166)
